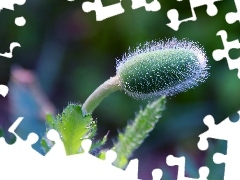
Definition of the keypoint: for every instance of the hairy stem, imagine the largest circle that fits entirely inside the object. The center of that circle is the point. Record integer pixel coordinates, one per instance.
(136, 132)
(100, 93)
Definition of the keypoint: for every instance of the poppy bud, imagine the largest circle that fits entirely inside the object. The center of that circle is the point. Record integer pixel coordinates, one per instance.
(162, 68)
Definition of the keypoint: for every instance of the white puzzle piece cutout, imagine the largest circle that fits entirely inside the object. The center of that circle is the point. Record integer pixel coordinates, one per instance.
(229, 131)
(232, 17)
(28, 164)
(219, 54)
(19, 21)
(180, 162)
(103, 12)
(9, 4)
(3, 90)
(173, 14)
(153, 6)
(9, 54)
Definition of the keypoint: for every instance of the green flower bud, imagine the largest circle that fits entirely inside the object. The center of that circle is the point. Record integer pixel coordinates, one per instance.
(162, 68)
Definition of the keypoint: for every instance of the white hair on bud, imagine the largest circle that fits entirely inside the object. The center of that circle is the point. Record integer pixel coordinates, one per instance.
(164, 45)
(167, 72)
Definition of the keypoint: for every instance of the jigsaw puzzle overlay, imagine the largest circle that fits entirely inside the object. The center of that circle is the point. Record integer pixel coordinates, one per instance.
(224, 53)
(103, 13)
(174, 16)
(19, 21)
(229, 131)
(232, 17)
(21, 157)
(117, 9)
(25, 158)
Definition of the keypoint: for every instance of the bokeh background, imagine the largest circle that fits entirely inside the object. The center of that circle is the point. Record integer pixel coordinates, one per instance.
(66, 54)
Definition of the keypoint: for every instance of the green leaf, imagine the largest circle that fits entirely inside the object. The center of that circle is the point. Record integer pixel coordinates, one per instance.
(99, 143)
(50, 120)
(136, 132)
(1, 132)
(46, 146)
(73, 127)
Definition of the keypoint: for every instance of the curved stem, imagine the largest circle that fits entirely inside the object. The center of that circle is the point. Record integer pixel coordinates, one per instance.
(100, 93)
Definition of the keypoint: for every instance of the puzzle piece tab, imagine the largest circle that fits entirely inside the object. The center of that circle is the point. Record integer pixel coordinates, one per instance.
(20, 144)
(58, 149)
(9, 4)
(153, 6)
(232, 17)
(157, 174)
(20, 153)
(20, 21)
(101, 11)
(229, 131)
(224, 53)
(173, 14)
(180, 162)
(12, 46)
(4, 117)
(3, 90)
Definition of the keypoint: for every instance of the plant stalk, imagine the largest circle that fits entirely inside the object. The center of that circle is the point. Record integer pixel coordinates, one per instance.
(108, 87)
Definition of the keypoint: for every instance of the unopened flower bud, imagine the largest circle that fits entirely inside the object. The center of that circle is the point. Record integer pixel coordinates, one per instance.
(162, 68)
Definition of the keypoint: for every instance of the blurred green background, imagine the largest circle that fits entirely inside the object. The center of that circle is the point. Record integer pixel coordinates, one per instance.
(66, 54)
